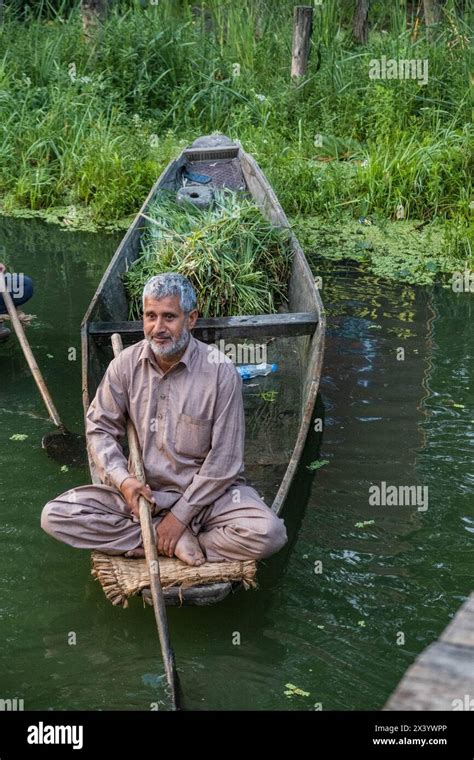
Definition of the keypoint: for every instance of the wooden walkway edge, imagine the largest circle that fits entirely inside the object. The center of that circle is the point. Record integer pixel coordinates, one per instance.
(442, 676)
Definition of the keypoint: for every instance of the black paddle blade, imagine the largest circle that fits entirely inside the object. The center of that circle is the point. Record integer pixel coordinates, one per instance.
(66, 448)
(176, 693)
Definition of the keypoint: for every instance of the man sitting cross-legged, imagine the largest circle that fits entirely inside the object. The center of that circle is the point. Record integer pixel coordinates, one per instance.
(186, 404)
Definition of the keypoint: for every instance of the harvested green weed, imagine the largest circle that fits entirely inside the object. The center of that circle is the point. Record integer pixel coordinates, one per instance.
(237, 261)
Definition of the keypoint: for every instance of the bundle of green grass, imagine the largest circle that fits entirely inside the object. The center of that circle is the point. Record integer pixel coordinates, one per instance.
(237, 261)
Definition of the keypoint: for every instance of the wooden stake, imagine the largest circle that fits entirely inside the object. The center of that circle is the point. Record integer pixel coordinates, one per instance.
(361, 22)
(302, 28)
(432, 13)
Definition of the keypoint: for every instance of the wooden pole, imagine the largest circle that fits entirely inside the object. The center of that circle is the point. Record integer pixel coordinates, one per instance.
(94, 12)
(432, 13)
(151, 554)
(302, 28)
(28, 353)
(361, 22)
(432, 10)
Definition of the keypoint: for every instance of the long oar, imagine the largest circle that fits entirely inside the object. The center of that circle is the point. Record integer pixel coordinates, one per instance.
(62, 445)
(151, 554)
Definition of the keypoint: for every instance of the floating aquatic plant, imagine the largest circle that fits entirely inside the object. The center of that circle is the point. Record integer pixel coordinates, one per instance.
(317, 464)
(293, 691)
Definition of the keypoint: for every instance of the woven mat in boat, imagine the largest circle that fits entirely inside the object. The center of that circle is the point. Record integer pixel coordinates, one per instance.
(122, 578)
(225, 172)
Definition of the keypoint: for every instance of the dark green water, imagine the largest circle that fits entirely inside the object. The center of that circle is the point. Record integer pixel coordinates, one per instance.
(332, 634)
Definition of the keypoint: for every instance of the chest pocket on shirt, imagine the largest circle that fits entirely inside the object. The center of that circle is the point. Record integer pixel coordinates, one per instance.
(193, 436)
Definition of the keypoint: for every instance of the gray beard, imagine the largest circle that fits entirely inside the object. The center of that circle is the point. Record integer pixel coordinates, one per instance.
(174, 348)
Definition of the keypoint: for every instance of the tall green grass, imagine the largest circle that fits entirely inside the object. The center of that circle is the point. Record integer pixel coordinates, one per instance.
(91, 123)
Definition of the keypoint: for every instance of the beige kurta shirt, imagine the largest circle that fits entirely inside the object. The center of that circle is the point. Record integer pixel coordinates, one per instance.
(190, 423)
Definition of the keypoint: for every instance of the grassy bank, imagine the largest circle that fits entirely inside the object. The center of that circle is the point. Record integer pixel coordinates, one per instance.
(88, 123)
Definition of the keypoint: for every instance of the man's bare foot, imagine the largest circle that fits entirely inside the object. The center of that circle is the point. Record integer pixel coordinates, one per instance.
(135, 553)
(189, 550)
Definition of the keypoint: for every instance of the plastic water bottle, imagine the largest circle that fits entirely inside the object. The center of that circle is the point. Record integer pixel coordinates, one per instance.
(247, 371)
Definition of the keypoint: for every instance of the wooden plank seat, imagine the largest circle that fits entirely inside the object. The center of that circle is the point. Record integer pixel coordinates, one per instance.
(252, 326)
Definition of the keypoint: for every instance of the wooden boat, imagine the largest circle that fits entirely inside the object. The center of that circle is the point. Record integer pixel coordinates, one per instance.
(278, 407)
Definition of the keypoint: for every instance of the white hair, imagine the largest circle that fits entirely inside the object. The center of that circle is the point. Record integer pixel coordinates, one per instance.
(171, 284)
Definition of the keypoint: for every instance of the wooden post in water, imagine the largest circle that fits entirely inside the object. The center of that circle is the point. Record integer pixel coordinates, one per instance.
(302, 28)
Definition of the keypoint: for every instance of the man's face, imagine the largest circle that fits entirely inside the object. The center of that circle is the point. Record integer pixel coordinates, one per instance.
(166, 326)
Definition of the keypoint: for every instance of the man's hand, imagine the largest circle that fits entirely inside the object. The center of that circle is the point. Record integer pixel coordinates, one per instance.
(168, 534)
(131, 489)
